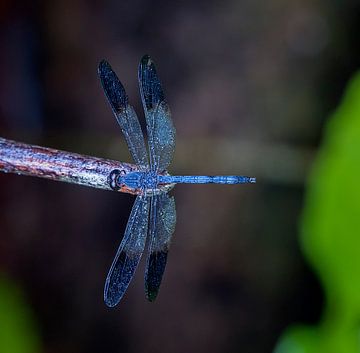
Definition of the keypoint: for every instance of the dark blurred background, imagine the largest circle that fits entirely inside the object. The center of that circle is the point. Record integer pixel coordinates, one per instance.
(251, 85)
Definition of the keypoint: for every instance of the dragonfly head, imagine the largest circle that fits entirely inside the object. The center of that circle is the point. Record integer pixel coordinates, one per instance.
(116, 179)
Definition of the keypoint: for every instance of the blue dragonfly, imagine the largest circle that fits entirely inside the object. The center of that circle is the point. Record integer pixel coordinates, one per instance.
(153, 214)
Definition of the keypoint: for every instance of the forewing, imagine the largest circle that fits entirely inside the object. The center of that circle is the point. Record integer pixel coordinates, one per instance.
(161, 228)
(160, 128)
(124, 113)
(129, 253)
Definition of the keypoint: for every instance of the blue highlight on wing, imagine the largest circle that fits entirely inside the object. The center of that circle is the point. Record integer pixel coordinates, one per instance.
(160, 128)
(124, 113)
(161, 228)
(129, 253)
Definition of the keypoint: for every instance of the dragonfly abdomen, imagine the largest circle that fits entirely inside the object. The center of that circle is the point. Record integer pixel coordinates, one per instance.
(203, 179)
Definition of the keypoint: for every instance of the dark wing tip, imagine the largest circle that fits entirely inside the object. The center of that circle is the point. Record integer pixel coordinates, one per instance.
(110, 303)
(146, 64)
(154, 272)
(151, 295)
(113, 88)
(109, 299)
(103, 66)
(146, 60)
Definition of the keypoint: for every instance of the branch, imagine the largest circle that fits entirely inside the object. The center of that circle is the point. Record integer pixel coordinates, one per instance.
(24, 159)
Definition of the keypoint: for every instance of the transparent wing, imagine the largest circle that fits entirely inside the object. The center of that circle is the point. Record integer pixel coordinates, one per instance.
(161, 228)
(160, 128)
(124, 113)
(129, 253)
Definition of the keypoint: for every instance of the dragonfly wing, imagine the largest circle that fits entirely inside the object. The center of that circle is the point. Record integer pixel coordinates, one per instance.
(124, 113)
(161, 228)
(129, 253)
(160, 128)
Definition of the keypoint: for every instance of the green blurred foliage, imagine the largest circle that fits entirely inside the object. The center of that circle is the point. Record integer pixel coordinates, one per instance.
(18, 333)
(330, 235)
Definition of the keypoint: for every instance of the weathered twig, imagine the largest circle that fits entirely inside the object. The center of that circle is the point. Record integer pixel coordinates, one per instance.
(24, 159)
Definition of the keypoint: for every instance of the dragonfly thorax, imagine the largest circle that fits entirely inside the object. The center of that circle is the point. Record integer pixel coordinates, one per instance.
(150, 180)
(146, 181)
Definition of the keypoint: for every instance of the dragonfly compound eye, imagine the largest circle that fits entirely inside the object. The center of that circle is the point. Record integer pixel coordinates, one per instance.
(115, 179)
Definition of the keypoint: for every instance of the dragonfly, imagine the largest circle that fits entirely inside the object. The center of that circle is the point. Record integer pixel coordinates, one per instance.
(153, 215)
